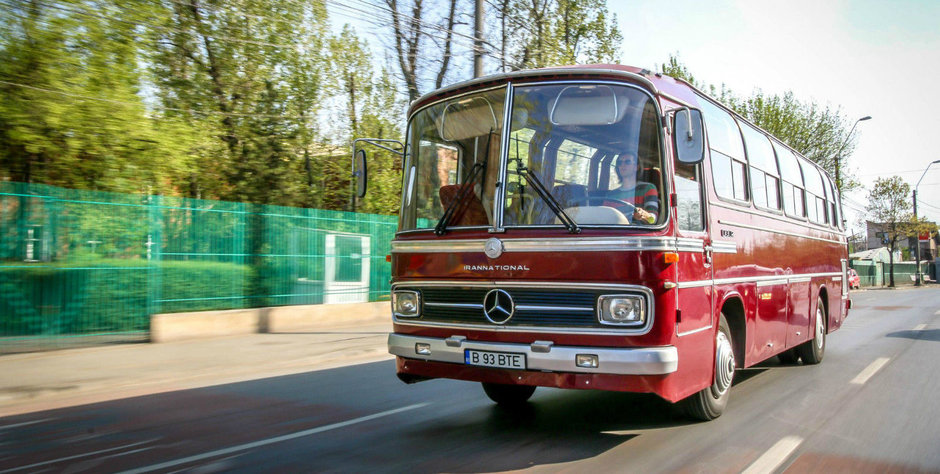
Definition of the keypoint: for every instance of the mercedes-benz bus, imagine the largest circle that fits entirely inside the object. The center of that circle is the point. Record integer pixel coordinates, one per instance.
(607, 228)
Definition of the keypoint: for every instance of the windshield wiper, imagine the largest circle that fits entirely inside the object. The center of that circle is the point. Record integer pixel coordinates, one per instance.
(546, 196)
(465, 190)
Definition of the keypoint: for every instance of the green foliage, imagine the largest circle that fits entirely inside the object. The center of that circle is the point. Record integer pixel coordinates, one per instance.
(543, 33)
(888, 205)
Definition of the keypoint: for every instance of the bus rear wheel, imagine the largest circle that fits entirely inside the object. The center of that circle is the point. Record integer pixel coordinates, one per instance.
(710, 403)
(508, 395)
(812, 351)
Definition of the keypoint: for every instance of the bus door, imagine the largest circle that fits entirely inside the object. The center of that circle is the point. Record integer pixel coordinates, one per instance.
(695, 274)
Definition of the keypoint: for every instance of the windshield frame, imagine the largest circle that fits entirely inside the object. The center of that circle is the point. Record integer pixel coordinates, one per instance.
(500, 193)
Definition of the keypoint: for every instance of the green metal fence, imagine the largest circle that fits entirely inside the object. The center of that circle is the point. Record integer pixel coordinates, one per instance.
(95, 265)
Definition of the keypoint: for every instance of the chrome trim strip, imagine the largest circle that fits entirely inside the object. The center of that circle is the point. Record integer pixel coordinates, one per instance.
(724, 246)
(782, 232)
(688, 333)
(499, 199)
(620, 361)
(560, 244)
(782, 281)
(613, 287)
(759, 280)
(455, 305)
(557, 309)
(690, 245)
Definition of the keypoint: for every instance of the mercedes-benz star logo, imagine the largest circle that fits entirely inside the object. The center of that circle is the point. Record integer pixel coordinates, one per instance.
(493, 247)
(498, 306)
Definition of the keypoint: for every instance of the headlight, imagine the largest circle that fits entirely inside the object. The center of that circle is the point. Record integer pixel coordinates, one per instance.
(406, 304)
(622, 310)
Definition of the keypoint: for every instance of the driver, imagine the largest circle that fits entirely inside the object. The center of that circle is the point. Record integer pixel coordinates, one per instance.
(641, 194)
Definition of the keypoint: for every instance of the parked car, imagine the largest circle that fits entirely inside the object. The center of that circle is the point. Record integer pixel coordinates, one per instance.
(854, 281)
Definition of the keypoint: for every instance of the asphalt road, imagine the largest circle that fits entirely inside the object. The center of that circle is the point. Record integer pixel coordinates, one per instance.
(871, 406)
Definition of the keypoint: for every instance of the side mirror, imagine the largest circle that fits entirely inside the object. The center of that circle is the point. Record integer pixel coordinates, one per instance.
(688, 135)
(360, 173)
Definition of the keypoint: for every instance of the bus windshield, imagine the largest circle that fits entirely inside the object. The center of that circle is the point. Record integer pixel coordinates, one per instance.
(593, 148)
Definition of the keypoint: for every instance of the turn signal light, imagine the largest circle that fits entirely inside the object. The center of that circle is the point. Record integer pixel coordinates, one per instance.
(670, 257)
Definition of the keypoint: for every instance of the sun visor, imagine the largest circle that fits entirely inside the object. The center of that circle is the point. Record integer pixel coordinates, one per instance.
(472, 117)
(588, 105)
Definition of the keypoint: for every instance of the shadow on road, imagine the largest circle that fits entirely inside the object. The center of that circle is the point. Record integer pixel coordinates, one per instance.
(923, 334)
(459, 430)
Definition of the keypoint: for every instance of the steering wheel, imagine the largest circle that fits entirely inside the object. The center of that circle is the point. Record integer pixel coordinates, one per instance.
(620, 204)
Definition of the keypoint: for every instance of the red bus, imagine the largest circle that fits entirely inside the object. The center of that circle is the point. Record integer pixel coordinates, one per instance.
(603, 227)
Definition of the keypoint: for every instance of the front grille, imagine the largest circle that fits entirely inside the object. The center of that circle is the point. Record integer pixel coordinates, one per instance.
(534, 307)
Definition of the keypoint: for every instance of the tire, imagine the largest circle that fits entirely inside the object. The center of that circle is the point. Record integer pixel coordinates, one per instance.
(508, 395)
(710, 403)
(812, 351)
(789, 357)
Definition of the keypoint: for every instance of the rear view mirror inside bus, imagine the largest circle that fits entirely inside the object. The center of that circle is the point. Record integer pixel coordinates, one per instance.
(360, 173)
(689, 136)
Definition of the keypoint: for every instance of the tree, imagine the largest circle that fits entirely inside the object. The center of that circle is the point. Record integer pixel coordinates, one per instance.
(815, 131)
(71, 112)
(370, 105)
(543, 33)
(888, 205)
(411, 29)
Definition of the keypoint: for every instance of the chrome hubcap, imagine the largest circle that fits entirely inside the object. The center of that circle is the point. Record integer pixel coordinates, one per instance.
(820, 329)
(724, 365)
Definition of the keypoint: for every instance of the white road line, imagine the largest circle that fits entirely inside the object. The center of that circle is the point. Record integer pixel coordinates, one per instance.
(869, 371)
(7, 427)
(84, 455)
(920, 327)
(937, 313)
(276, 439)
(775, 456)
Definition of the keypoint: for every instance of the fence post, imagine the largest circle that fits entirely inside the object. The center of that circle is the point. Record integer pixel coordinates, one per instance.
(154, 244)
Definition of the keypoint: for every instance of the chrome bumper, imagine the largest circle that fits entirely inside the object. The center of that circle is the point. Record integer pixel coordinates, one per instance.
(544, 355)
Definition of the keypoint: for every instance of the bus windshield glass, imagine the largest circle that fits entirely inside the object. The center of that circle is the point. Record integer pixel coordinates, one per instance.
(593, 149)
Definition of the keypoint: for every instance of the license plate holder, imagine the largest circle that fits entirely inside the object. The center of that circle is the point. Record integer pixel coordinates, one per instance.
(498, 360)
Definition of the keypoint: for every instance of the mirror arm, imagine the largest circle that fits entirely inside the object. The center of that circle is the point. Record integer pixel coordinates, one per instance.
(378, 142)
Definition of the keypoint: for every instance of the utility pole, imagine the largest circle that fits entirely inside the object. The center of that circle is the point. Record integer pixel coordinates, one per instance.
(478, 39)
(917, 280)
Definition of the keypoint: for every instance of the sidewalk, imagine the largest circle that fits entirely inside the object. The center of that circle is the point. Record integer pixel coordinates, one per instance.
(56, 379)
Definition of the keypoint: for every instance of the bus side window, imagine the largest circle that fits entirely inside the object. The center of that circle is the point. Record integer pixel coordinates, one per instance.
(689, 193)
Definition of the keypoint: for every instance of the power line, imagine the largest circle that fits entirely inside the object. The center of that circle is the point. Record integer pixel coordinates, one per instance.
(136, 104)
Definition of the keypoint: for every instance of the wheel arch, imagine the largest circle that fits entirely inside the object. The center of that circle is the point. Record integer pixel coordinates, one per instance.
(732, 306)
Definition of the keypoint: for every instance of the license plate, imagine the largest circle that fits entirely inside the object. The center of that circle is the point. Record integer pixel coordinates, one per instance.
(502, 360)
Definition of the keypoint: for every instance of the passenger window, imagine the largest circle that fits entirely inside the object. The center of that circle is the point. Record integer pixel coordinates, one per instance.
(791, 179)
(764, 172)
(727, 152)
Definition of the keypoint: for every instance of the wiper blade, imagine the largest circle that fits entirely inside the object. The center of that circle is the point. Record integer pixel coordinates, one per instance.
(465, 190)
(546, 196)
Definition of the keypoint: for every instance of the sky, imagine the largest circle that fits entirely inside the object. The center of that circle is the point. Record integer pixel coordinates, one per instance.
(864, 57)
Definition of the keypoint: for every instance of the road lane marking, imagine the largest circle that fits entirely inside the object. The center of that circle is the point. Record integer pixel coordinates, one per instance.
(7, 427)
(920, 327)
(775, 456)
(869, 371)
(84, 455)
(276, 439)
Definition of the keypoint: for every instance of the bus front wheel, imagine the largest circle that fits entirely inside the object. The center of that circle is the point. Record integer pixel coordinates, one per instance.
(710, 403)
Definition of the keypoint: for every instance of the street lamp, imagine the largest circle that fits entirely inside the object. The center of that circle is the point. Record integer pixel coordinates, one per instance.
(839, 153)
(917, 238)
